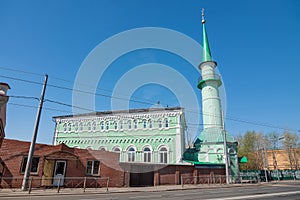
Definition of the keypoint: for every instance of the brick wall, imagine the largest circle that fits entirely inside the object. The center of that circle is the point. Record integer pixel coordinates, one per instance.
(13, 151)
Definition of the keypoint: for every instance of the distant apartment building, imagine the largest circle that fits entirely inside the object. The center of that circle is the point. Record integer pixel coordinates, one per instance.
(283, 159)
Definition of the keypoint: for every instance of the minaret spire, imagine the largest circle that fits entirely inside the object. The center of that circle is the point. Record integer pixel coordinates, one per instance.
(206, 50)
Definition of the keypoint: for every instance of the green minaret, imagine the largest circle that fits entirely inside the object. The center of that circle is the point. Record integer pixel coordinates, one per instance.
(209, 147)
(209, 84)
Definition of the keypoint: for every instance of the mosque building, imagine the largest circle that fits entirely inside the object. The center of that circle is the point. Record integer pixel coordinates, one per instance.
(157, 135)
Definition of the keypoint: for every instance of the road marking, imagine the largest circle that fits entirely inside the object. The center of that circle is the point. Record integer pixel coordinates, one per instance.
(146, 197)
(258, 196)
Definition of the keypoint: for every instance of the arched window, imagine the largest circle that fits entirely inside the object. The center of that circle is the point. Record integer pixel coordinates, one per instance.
(129, 124)
(147, 154)
(163, 155)
(69, 127)
(232, 151)
(121, 125)
(131, 154)
(116, 125)
(80, 126)
(107, 125)
(76, 126)
(89, 148)
(116, 149)
(102, 126)
(65, 127)
(89, 127)
(101, 148)
(159, 123)
(135, 122)
(166, 123)
(144, 124)
(150, 123)
(94, 126)
(219, 150)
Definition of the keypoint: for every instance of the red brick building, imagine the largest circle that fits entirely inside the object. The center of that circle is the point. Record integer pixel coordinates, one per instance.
(70, 165)
(51, 163)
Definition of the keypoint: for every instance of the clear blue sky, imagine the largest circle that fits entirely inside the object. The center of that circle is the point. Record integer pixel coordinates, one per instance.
(255, 43)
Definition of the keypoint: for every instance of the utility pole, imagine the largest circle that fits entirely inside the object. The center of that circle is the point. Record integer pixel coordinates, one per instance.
(225, 151)
(34, 135)
(263, 155)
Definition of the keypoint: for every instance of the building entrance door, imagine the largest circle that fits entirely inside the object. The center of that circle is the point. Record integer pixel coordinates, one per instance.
(59, 173)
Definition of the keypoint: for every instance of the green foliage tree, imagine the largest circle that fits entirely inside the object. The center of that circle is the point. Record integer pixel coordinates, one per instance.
(248, 146)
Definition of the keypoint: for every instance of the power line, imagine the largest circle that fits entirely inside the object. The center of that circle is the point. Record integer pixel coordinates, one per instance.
(120, 98)
(31, 106)
(21, 71)
(80, 91)
(22, 80)
(23, 97)
(68, 105)
(71, 89)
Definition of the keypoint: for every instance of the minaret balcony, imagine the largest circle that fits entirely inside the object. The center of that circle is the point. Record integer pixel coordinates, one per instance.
(209, 78)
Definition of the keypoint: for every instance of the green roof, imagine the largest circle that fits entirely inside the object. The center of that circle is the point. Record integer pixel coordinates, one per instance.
(206, 50)
(215, 135)
(243, 159)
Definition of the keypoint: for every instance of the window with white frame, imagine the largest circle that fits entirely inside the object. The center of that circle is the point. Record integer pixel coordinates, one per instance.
(116, 125)
(89, 148)
(116, 149)
(65, 127)
(107, 125)
(166, 123)
(150, 123)
(144, 124)
(131, 154)
(159, 123)
(129, 124)
(34, 164)
(94, 125)
(163, 155)
(76, 126)
(101, 148)
(69, 127)
(89, 126)
(92, 167)
(147, 154)
(135, 122)
(80, 126)
(102, 126)
(121, 125)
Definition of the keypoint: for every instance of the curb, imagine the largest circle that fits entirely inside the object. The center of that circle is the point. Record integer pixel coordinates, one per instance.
(122, 190)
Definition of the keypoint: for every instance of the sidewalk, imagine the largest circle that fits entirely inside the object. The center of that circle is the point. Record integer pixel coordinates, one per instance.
(80, 191)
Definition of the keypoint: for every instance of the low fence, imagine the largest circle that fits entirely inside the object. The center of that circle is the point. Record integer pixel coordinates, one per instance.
(215, 179)
(57, 183)
(272, 174)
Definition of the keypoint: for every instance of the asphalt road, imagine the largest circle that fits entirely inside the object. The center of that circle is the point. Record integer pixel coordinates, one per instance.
(287, 191)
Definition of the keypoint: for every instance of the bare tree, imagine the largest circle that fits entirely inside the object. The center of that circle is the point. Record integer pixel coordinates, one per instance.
(274, 139)
(289, 143)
